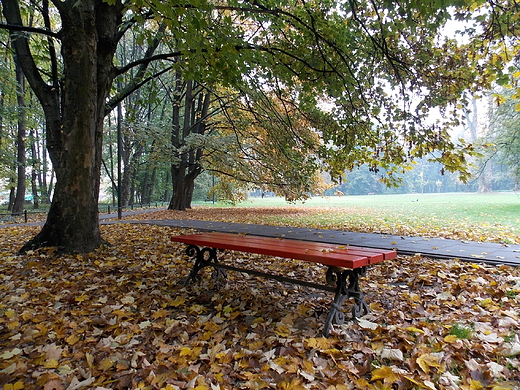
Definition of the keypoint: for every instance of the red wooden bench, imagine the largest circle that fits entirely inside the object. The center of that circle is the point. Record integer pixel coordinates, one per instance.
(344, 264)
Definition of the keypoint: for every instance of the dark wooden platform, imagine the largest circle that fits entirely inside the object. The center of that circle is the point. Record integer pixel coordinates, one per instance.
(490, 253)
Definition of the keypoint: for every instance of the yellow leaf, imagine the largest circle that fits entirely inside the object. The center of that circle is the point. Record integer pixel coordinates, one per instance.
(362, 382)
(412, 380)
(282, 330)
(178, 301)
(16, 386)
(81, 298)
(386, 373)
(510, 385)
(486, 302)
(475, 385)
(13, 325)
(450, 338)
(10, 313)
(90, 359)
(294, 384)
(51, 363)
(381, 386)
(414, 329)
(426, 361)
(160, 314)
(72, 339)
(320, 343)
(106, 364)
(185, 351)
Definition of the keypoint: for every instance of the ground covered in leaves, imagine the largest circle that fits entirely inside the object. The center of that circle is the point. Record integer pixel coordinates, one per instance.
(119, 318)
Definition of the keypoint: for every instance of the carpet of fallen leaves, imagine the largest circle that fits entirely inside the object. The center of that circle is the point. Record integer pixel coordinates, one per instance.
(119, 318)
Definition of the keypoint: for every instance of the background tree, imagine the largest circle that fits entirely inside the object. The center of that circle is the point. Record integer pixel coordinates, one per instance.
(505, 132)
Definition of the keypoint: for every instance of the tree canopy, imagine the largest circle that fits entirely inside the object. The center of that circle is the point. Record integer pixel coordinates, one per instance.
(379, 82)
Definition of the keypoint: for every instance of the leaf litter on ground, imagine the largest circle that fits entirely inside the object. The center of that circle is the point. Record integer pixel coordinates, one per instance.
(120, 318)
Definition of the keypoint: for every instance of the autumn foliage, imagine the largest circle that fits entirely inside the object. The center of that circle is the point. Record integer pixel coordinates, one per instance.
(119, 318)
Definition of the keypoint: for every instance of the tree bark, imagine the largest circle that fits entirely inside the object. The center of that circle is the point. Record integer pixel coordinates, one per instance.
(74, 117)
(21, 157)
(187, 168)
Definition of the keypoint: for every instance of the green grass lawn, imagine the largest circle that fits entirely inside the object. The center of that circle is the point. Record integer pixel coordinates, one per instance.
(474, 215)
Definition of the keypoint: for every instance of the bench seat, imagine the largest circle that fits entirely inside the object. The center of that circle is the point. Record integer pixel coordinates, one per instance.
(317, 252)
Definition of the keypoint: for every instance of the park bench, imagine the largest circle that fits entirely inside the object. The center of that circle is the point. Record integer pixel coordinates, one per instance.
(345, 264)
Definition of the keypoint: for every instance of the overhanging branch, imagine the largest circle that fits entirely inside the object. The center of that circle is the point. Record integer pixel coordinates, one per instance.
(12, 27)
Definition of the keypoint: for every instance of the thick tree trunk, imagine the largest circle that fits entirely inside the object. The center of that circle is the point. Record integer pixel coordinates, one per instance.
(186, 170)
(74, 118)
(178, 200)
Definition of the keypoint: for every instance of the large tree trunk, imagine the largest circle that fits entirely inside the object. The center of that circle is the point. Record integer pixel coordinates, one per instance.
(185, 171)
(74, 118)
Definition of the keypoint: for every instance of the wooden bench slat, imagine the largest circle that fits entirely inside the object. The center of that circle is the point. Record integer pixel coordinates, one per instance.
(375, 255)
(349, 257)
(347, 261)
(316, 248)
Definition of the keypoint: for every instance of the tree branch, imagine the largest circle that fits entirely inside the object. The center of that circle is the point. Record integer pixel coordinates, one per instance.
(43, 31)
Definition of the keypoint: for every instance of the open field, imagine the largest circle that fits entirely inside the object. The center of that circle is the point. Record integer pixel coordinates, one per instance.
(482, 217)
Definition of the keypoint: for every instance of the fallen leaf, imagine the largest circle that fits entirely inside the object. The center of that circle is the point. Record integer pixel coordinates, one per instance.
(386, 373)
(426, 361)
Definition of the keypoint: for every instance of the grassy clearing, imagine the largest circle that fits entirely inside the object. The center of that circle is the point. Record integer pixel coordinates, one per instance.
(483, 217)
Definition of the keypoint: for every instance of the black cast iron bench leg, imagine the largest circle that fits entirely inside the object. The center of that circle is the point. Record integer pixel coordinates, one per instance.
(347, 286)
(204, 257)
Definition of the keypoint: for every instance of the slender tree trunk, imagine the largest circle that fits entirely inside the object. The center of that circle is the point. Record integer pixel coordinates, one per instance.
(45, 190)
(21, 158)
(144, 187)
(151, 187)
(34, 189)
(34, 172)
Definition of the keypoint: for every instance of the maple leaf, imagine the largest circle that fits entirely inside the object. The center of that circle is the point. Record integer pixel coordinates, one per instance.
(427, 360)
(386, 373)
(293, 384)
(380, 386)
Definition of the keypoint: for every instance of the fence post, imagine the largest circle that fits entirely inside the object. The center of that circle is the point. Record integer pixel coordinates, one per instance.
(25, 215)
